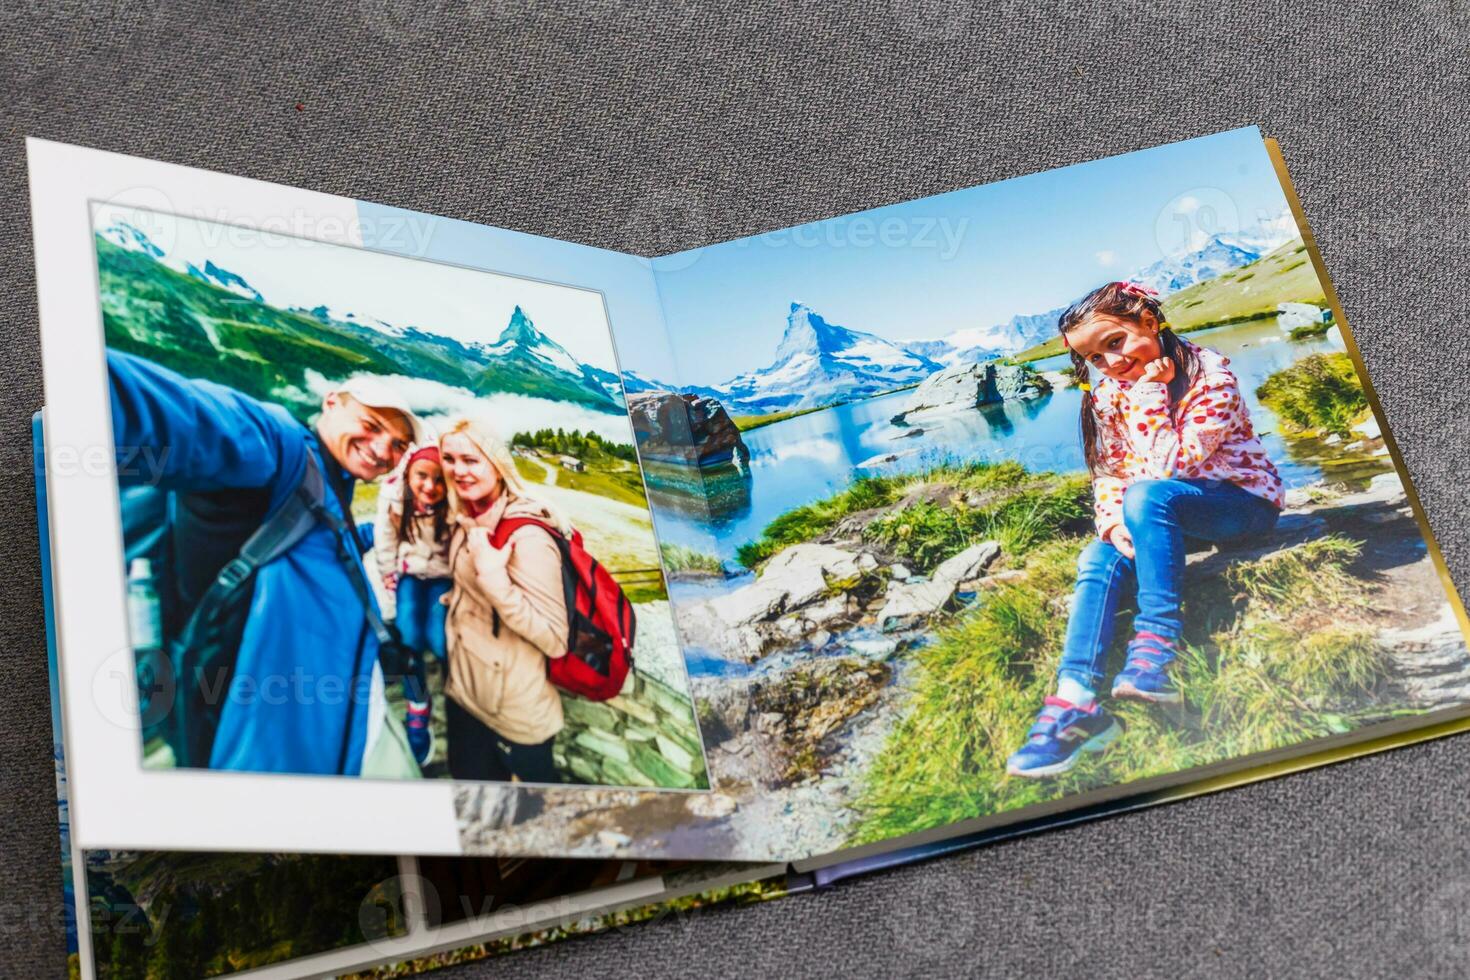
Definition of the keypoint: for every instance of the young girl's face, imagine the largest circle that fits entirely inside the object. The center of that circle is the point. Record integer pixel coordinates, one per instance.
(426, 483)
(1119, 348)
(473, 474)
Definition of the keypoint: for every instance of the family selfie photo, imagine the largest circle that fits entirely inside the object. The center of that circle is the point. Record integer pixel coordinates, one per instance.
(383, 517)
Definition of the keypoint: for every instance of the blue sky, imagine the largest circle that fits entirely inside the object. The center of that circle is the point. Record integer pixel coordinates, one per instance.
(623, 280)
(969, 258)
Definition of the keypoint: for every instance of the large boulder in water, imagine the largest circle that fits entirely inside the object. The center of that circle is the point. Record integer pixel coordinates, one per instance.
(691, 430)
(966, 386)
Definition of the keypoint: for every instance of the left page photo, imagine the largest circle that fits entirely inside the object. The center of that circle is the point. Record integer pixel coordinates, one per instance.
(135, 913)
(299, 446)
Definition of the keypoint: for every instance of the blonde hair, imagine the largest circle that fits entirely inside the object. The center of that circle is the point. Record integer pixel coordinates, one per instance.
(504, 465)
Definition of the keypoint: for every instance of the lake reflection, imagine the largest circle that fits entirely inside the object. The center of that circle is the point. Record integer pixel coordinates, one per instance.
(813, 456)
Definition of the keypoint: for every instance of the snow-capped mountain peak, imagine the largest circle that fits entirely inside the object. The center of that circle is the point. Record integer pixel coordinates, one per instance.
(327, 314)
(225, 279)
(1219, 254)
(969, 345)
(634, 382)
(818, 362)
(133, 239)
(521, 336)
(126, 236)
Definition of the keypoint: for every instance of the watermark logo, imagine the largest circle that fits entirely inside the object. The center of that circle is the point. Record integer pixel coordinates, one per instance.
(935, 928)
(669, 222)
(140, 219)
(1191, 219)
(1446, 919)
(115, 691)
(389, 906)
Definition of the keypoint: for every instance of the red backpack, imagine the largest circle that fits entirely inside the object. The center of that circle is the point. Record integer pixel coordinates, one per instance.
(600, 621)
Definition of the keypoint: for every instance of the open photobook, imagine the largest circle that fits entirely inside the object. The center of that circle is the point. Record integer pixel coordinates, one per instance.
(134, 913)
(377, 532)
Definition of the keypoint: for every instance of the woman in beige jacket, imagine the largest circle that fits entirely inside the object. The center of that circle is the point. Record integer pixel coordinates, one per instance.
(507, 615)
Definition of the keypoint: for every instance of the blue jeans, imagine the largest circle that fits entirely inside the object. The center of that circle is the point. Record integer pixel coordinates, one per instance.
(420, 622)
(1160, 514)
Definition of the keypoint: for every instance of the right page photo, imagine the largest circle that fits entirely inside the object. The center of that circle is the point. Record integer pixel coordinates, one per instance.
(1028, 497)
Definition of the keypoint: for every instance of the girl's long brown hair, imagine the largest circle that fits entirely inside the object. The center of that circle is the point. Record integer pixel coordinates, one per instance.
(1127, 302)
(408, 528)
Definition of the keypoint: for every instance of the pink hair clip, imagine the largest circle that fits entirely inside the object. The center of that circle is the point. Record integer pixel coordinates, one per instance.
(1137, 289)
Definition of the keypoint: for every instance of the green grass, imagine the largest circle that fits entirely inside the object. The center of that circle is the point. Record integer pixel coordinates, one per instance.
(532, 471)
(1020, 518)
(1251, 292)
(747, 422)
(1311, 330)
(1274, 655)
(814, 519)
(677, 558)
(607, 478)
(622, 482)
(643, 590)
(1017, 508)
(1319, 394)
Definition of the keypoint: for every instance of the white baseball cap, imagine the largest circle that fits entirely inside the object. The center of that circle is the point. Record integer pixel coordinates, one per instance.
(374, 392)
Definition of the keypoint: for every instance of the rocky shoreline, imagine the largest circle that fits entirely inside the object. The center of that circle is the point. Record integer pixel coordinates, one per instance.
(820, 645)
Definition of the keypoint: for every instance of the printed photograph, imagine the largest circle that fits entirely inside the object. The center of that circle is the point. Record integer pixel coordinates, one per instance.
(383, 517)
(1022, 491)
(162, 914)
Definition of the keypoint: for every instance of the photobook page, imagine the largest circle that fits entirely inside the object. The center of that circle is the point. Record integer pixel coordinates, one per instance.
(129, 913)
(1030, 499)
(346, 509)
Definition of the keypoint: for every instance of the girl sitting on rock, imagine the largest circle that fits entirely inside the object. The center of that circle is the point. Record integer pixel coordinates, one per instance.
(1169, 444)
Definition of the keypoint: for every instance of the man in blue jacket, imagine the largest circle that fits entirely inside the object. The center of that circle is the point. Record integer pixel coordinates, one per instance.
(307, 694)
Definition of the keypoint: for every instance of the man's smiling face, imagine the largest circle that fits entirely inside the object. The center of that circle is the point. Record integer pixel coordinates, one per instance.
(366, 442)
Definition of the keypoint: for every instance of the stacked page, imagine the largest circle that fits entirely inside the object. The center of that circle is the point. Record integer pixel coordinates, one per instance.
(376, 532)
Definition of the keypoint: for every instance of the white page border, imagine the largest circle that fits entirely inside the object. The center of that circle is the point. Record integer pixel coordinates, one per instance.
(117, 804)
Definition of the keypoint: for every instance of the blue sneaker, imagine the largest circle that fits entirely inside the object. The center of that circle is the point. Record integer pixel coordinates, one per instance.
(1145, 676)
(1062, 732)
(420, 735)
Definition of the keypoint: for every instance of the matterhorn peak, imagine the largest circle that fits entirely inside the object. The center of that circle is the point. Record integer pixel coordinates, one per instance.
(520, 328)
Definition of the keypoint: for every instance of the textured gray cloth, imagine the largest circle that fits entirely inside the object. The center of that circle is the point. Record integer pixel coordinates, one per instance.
(655, 125)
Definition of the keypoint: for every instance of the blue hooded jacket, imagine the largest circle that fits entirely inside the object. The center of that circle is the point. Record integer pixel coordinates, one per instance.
(299, 700)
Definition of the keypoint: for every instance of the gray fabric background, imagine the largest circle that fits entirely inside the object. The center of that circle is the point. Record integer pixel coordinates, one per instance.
(667, 124)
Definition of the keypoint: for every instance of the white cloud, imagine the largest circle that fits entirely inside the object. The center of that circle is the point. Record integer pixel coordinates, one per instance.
(1106, 257)
(436, 403)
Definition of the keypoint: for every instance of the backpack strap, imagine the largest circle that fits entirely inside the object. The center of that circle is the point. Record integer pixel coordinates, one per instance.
(510, 525)
(344, 531)
(288, 525)
(498, 537)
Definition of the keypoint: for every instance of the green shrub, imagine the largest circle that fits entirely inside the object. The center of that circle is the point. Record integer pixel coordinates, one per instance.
(817, 518)
(1018, 510)
(678, 558)
(923, 535)
(1320, 393)
(1310, 330)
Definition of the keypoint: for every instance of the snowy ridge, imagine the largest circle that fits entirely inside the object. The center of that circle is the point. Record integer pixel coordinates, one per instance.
(819, 363)
(522, 359)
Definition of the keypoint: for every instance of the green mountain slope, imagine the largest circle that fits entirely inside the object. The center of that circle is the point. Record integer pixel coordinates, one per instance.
(1283, 275)
(204, 331)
